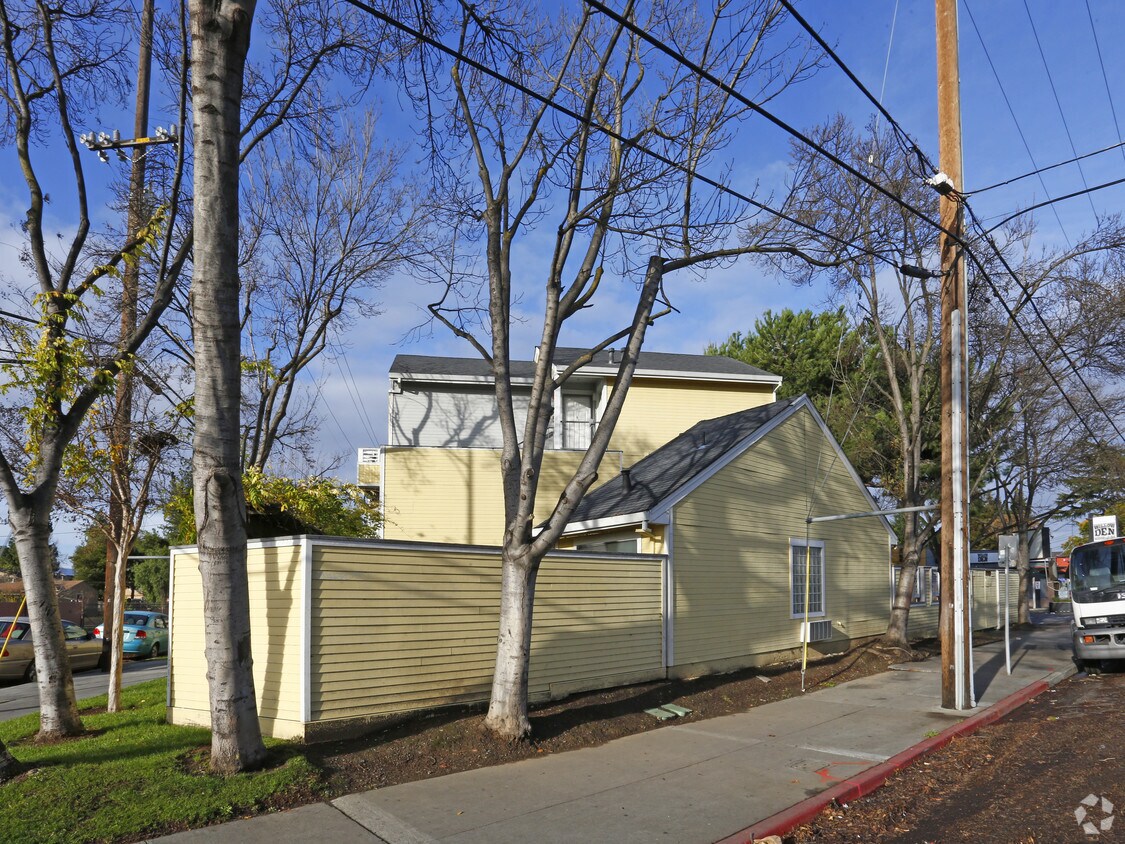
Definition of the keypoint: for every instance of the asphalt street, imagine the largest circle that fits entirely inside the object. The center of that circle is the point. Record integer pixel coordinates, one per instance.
(22, 698)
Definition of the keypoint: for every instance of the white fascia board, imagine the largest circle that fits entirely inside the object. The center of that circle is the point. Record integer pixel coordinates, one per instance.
(607, 523)
(847, 464)
(471, 380)
(682, 375)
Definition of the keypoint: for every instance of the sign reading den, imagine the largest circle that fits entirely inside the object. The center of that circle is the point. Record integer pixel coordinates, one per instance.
(1105, 527)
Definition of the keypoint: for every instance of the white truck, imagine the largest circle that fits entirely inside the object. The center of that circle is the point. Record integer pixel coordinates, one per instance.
(1097, 594)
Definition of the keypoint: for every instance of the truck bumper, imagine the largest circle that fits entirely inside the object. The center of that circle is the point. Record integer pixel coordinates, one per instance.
(1099, 643)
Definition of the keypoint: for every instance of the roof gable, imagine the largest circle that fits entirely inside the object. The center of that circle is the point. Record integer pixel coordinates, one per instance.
(670, 473)
(659, 476)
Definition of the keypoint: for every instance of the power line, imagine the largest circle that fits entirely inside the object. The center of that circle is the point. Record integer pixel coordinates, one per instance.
(1119, 145)
(903, 135)
(1084, 192)
(1058, 102)
(1012, 112)
(629, 142)
(705, 75)
(1105, 79)
(1050, 333)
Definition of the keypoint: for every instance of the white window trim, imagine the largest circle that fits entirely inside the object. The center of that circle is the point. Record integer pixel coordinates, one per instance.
(812, 543)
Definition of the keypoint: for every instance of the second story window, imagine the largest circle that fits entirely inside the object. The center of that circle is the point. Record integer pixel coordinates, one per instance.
(577, 421)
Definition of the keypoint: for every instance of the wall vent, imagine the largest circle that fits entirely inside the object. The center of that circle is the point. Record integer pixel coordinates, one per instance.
(818, 631)
(368, 456)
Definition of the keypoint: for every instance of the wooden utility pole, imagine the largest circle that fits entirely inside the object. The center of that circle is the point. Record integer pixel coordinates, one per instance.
(120, 434)
(954, 622)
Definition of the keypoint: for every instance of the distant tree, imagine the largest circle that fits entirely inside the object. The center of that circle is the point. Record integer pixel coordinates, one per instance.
(88, 559)
(837, 366)
(326, 220)
(802, 347)
(10, 562)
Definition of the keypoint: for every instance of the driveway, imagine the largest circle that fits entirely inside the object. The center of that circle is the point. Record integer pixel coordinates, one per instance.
(22, 698)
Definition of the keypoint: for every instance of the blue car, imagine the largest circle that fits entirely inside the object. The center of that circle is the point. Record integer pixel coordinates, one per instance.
(146, 634)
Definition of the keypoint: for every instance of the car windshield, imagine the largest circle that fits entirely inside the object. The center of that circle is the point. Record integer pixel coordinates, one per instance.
(19, 631)
(137, 620)
(1097, 567)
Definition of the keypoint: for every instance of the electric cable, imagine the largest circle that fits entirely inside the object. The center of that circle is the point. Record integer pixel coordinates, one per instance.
(1050, 333)
(1058, 102)
(629, 142)
(1119, 145)
(1012, 112)
(702, 74)
(903, 135)
(1105, 78)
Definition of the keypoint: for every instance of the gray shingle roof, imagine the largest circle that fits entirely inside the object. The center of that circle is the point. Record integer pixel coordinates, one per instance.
(667, 362)
(657, 476)
(649, 362)
(472, 367)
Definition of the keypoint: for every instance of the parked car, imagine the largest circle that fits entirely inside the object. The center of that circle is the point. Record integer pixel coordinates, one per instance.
(146, 633)
(17, 659)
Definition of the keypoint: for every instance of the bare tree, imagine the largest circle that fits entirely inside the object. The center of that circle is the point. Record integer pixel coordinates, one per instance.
(616, 178)
(1069, 304)
(59, 59)
(326, 220)
(897, 296)
(901, 310)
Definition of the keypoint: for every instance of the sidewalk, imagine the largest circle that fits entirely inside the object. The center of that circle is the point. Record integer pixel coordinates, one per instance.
(698, 782)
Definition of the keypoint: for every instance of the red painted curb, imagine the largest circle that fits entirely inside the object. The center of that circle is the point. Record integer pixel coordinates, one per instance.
(870, 779)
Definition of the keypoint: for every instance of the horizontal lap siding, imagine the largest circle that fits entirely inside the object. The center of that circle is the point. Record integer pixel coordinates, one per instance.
(731, 550)
(274, 576)
(659, 410)
(455, 494)
(401, 629)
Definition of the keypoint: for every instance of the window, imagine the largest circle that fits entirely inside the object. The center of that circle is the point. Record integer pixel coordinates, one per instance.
(578, 420)
(802, 557)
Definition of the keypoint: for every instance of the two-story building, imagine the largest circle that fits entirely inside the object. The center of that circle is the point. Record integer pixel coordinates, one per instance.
(438, 478)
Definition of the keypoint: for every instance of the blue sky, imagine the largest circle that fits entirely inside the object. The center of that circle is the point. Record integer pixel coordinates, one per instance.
(354, 398)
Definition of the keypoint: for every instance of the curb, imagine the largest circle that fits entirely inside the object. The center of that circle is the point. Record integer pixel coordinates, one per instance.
(872, 778)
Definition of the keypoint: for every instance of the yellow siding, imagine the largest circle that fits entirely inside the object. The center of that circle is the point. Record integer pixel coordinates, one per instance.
(275, 580)
(731, 551)
(401, 629)
(656, 411)
(455, 494)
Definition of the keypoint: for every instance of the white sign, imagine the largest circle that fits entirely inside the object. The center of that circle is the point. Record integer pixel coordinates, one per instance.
(1105, 527)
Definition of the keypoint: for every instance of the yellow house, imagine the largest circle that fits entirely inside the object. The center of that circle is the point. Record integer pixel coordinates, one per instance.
(438, 478)
(728, 503)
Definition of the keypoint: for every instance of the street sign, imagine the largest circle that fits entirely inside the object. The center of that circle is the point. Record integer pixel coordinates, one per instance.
(1105, 527)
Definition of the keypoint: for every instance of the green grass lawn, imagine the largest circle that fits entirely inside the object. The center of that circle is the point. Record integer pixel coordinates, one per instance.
(128, 777)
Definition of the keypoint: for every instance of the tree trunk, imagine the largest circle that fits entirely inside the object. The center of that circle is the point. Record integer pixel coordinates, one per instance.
(897, 635)
(115, 631)
(220, 40)
(9, 767)
(58, 707)
(1023, 565)
(507, 711)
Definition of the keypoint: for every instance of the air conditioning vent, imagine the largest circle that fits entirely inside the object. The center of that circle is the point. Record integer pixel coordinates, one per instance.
(818, 631)
(368, 456)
